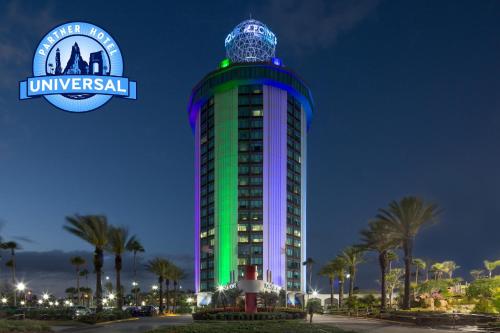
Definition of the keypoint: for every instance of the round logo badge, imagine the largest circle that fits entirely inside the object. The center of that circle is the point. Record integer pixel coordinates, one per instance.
(78, 67)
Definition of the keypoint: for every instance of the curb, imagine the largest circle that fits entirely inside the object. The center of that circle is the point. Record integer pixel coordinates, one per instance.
(117, 321)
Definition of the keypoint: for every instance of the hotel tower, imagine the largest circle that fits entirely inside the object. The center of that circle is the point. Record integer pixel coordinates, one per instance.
(250, 119)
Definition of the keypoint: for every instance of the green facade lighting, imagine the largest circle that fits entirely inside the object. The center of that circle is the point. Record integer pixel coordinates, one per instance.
(225, 63)
(226, 184)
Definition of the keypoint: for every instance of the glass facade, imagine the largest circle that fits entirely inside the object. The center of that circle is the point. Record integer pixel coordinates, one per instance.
(207, 222)
(294, 192)
(250, 184)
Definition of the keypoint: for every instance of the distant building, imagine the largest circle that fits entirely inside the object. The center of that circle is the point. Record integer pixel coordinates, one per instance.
(250, 119)
(58, 69)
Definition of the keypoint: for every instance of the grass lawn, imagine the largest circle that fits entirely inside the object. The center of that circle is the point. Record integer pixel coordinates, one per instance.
(31, 326)
(250, 326)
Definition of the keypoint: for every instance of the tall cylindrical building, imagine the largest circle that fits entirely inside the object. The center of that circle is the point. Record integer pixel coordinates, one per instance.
(250, 119)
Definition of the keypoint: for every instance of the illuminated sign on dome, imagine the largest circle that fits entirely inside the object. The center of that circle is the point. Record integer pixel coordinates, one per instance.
(250, 41)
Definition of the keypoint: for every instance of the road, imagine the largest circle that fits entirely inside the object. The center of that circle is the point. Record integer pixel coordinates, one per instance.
(359, 325)
(139, 325)
(364, 325)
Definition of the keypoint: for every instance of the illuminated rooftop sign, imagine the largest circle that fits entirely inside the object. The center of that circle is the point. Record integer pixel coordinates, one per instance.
(250, 41)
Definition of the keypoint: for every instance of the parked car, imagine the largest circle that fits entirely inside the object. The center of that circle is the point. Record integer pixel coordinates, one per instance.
(80, 310)
(134, 311)
(148, 311)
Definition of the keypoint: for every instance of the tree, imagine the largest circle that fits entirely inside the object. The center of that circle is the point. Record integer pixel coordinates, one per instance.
(12, 247)
(159, 267)
(135, 246)
(94, 230)
(353, 256)
(339, 267)
(449, 267)
(376, 238)
(476, 273)
(439, 269)
(491, 266)
(176, 274)
(419, 265)
(393, 279)
(118, 238)
(309, 265)
(405, 219)
(329, 271)
(392, 256)
(78, 262)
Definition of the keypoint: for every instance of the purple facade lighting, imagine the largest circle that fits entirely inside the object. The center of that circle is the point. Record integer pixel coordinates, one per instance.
(197, 204)
(275, 191)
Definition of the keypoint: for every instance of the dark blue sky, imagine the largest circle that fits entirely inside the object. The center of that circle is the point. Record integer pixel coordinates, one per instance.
(406, 99)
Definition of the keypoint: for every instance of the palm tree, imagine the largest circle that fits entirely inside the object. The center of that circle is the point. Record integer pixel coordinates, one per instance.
(176, 274)
(438, 268)
(329, 271)
(449, 267)
(476, 273)
(419, 265)
(94, 230)
(118, 238)
(12, 247)
(159, 267)
(78, 262)
(375, 238)
(309, 265)
(353, 256)
(339, 267)
(135, 246)
(405, 219)
(391, 256)
(490, 266)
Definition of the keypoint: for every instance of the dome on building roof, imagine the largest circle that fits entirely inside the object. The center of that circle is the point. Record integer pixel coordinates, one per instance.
(250, 41)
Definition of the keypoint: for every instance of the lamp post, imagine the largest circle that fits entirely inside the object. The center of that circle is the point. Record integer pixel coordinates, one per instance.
(20, 287)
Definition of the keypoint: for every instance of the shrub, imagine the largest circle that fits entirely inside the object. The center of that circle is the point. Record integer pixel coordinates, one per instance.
(213, 315)
(108, 315)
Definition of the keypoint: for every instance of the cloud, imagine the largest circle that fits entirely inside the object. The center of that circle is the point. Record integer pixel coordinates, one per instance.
(21, 27)
(308, 25)
(52, 271)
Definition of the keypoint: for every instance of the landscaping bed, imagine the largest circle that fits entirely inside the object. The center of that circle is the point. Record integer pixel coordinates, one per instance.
(31, 326)
(220, 314)
(243, 327)
(439, 319)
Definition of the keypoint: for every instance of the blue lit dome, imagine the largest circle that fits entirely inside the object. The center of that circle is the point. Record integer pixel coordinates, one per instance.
(250, 41)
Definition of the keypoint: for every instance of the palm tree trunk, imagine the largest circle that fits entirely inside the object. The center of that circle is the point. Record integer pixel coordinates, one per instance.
(13, 258)
(98, 262)
(352, 277)
(331, 293)
(408, 258)
(382, 258)
(119, 292)
(341, 292)
(78, 283)
(135, 279)
(167, 292)
(416, 275)
(160, 281)
(174, 305)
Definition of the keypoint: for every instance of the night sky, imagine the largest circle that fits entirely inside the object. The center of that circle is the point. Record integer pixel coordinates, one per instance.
(407, 102)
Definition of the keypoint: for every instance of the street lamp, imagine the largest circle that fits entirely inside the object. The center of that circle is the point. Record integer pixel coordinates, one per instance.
(20, 286)
(45, 296)
(154, 287)
(315, 293)
(111, 297)
(4, 300)
(40, 302)
(56, 303)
